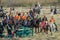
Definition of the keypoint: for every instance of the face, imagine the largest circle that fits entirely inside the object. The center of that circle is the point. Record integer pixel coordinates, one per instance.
(44, 16)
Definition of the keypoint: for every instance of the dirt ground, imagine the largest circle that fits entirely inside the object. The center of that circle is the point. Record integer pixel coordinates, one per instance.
(41, 36)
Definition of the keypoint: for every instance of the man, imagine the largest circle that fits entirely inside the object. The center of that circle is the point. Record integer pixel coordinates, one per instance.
(52, 25)
(4, 21)
(9, 30)
(23, 16)
(55, 10)
(37, 8)
(37, 24)
(17, 18)
(1, 30)
(1, 11)
(31, 13)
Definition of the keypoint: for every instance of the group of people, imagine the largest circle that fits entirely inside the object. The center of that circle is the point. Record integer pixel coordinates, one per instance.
(11, 22)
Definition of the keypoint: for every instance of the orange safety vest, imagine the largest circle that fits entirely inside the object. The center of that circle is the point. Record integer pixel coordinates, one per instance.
(24, 17)
(17, 17)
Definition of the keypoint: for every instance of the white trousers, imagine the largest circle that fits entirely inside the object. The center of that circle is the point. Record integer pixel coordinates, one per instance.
(52, 26)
